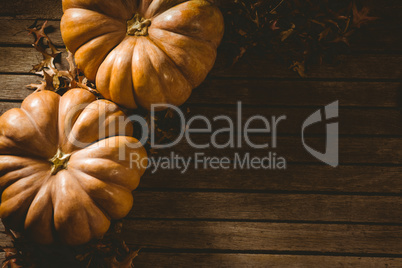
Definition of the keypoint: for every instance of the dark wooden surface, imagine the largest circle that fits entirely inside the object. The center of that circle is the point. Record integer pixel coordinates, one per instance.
(310, 215)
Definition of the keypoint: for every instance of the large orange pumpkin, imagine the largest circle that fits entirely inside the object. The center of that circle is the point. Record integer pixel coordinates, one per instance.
(143, 52)
(61, 178)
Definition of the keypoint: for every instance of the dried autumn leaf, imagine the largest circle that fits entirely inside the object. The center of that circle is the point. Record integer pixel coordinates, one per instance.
(360, 17)
(324, 34)
(341, 39)
(72, 74)
(127, 262)
(47, 84)
(274, 26)
(275, 30)
(55, 79)
(299, 67)
(287, 33)
(238, 57)
(38, 32)
(11, 258)
(41, 44)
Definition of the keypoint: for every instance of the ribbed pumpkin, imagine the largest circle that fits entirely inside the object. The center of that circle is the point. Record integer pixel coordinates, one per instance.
(143, 52)
(62, 178)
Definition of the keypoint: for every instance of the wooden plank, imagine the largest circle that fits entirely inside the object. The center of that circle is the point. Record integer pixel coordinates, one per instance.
(52, 9)
(15, 33)
(373, 150)
(2, 257)
(352, 150)
(353, 121)
(5, 106)
(296, 178)
(379, 37)
(299, 93)
(154, 259)
(260, 236)
(360, 66)
(260, 92)
(31, 9)
(21, 59)
(13, 87)
(266, 207)
(5, 240)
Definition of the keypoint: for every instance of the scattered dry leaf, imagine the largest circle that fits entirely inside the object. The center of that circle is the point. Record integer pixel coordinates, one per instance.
(360, 17)
(299, 67)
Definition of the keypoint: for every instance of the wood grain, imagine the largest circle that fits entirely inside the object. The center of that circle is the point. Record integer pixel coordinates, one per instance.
(5, 240)
(297, 178)
(267, 207)
(13, 87)
(352, 150)
(260, 236)
(380, 36)
(299, 93)
(15, 32)
(360, 66)
(5, 106)
(153, 259)
(52, 9)
(20, 60)
(261, 92)
(353, 121)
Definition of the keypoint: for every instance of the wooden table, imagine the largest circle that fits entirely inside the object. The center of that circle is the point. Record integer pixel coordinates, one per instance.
(311, 215)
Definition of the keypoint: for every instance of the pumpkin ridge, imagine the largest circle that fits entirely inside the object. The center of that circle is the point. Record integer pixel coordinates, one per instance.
(98, 9)
(72, 172)
(66, 135)
(107, 109)
(50, 182)
(35, 125)
(123, 184)
(77, 170)
(67, 225)
(163, 92)
(28, 200)
(102, 35)
(32, 154)
(192, 84)
(166, 8)
(114, 66)
(197, 38)
(18, 169)
(104, 210)
(101, 60)
(114, 21)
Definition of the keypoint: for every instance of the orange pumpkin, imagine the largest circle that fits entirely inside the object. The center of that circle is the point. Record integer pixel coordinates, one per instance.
(61, 178)
(143, 52)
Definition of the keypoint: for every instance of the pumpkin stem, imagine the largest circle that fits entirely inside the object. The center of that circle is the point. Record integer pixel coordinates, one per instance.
(138, 26)
(59, 161)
